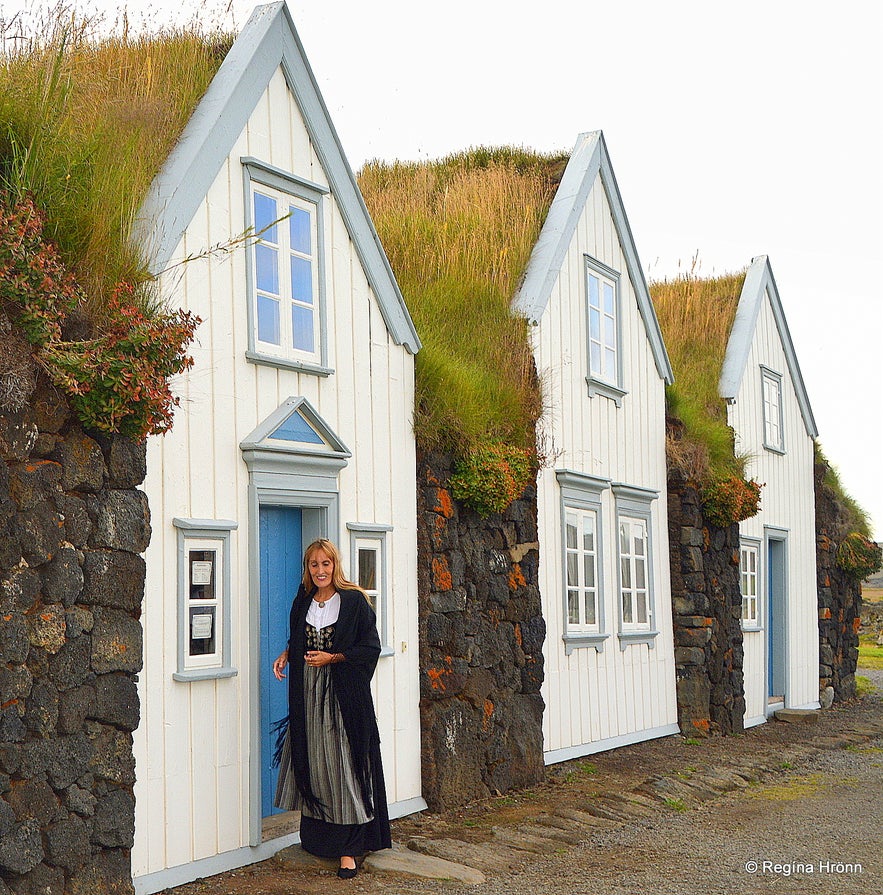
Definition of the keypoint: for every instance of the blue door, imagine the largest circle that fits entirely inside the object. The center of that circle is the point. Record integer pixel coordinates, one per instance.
(281, 556)
(776, 615)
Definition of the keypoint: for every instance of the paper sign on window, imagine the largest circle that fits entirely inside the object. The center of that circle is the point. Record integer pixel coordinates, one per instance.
(201, 572)
(201, 627)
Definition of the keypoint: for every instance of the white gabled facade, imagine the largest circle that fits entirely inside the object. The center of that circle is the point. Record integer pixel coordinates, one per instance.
(295, 421)
(602, 509)
(769, 411)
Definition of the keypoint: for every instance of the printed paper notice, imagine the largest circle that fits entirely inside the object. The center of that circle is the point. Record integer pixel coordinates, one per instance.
(201, 572)
(201, 626)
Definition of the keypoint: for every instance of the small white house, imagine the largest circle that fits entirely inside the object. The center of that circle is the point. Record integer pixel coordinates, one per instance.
(602, 511)
(295, 422)
(769, 411)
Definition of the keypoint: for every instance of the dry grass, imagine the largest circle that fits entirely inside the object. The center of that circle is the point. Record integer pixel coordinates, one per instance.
(458, 233)
(696, 316)
(85, 124)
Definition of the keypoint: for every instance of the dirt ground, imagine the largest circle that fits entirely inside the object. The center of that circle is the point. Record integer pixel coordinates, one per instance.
(776, 746)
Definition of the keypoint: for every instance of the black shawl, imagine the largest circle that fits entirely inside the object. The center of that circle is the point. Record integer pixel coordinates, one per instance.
(355, 635)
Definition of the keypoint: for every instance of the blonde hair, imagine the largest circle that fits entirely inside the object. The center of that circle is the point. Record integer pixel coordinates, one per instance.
(338, 580)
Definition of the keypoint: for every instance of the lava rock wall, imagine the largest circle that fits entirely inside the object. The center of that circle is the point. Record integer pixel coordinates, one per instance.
(481, 640)
(72, 528)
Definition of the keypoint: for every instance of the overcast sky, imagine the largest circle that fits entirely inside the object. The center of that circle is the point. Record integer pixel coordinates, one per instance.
(734, 129)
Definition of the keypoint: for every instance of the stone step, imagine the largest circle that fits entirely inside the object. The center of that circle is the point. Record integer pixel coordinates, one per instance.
(797, 716)
(405, 861)
(514, 838)
(559, 823)
(490, 857)
(604, 810)
(584, 819)
(540, 831)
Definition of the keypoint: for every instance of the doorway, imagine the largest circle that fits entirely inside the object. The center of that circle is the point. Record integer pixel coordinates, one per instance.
(281, 565)
(776, 618)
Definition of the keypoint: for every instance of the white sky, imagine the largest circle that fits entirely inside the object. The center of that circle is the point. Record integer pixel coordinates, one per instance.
(734, 130)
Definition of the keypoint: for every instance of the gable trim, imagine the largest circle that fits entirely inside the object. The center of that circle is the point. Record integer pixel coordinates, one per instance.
(268, 40)
(760, 284)
(588, 159)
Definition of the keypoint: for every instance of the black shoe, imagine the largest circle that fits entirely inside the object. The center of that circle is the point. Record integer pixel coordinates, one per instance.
(347, 872)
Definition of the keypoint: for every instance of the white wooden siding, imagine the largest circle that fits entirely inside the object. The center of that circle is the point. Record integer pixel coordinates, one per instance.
(192, 747)
(787, 503)
(594, 697)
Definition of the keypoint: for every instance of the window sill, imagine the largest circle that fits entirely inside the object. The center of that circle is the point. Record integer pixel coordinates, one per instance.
(387, 651)
(606, 390)
(284, 363)
(751, 629)
(774, 450)
(204, 674)
(583, 641)
(628, 638)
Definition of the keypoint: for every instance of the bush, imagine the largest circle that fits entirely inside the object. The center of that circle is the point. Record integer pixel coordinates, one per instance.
(730, 500)
(491, 477)
(858, 556)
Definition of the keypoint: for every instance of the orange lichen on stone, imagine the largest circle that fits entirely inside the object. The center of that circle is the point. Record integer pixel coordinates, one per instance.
(437, 675)
(516, 578)
(518, 638)
(445, 505)
(701, 724)
(856, 624)
(488, 713)
(824, 613)
(440, 525)
(441, 574)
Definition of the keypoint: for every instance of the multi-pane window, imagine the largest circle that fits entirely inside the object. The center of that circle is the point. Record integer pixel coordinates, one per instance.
(369, 572)
(773, 434)
(286, 309)
(203, 598)
(748, 573)
(603, 337)
(633, 574)
(581, 572)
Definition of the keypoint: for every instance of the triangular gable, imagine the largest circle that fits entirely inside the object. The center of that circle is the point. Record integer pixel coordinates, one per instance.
(268, 41)
(588, 160)
(759, 285)
(296, 428)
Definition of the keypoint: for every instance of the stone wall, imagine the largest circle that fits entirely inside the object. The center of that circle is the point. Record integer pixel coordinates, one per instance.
(481, 639)
(707, 610)
(72, 526)
(840, 597)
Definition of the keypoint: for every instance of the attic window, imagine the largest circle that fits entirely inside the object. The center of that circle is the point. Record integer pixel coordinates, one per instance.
(773, 423)
(603, 325)
(286, 280)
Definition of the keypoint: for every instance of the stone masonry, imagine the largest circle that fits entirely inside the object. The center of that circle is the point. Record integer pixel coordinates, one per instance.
(481, 639)
(72, 528)
(707, 609)
(840, 597)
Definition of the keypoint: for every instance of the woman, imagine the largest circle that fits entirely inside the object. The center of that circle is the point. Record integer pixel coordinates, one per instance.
(330, 763)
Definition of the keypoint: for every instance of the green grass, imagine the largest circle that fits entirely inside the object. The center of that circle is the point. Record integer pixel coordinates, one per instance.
(696, 316)
(855, 513)
(870, 655)
(676, 804)
(863, 685)
(85, 124)
(459, 232)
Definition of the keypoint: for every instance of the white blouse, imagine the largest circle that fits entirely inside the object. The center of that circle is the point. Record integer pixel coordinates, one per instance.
(321, 615)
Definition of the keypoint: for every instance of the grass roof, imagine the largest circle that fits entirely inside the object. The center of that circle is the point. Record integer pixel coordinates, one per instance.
(459, 232)
(86, 123)
(696, 315)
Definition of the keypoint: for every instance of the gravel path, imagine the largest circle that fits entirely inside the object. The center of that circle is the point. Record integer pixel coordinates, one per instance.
(810, 822)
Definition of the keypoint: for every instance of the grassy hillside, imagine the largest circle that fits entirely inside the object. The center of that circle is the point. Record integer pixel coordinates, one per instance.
(85, 124)
(696, 316)
(458, 233)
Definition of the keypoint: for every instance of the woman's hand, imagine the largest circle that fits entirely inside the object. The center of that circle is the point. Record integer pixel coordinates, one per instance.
(279, 665)
(316, 658)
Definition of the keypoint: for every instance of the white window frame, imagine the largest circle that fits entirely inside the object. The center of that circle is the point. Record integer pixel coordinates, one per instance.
(634, 507)
(581, 494)
(289, 191)
(370, 536)
(201, 536)
(601, 379)
(773, 416)
(750, 583)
